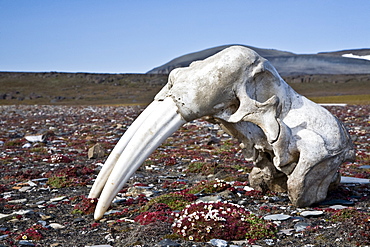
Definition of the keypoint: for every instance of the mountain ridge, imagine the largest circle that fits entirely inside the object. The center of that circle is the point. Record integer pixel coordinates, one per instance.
(287, 63)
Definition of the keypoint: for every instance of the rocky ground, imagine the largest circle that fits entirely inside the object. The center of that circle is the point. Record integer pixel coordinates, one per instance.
(46, 175)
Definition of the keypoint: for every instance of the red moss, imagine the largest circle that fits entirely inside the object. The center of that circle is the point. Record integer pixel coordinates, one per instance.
(85, 205)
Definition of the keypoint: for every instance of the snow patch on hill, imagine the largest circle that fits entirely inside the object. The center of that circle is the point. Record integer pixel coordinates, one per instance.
(350, 55)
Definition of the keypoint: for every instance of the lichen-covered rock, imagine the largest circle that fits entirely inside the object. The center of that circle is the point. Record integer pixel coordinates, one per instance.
(96, 151)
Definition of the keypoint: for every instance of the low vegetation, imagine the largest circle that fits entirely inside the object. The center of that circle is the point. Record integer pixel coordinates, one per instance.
(56, 88)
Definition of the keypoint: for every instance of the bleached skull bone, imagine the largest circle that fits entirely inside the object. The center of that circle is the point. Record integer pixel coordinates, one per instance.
(295, 144)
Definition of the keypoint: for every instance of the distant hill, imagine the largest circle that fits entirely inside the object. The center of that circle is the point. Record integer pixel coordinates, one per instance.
(288, 63)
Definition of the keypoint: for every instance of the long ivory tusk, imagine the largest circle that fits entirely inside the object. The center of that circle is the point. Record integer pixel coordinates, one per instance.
(118, 149)
(159, 125)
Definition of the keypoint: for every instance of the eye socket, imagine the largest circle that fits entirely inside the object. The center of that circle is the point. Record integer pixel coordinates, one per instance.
(231, 107)
(234, 103)
(234, 106)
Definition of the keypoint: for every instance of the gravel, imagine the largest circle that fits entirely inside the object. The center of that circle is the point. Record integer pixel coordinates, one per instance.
(43, 184)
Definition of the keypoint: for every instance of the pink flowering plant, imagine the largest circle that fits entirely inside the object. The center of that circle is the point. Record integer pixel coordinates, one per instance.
(205, 221)
(157, 212)
(146, 218)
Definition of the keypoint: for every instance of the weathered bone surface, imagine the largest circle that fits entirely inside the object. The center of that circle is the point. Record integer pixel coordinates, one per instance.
(295, 144)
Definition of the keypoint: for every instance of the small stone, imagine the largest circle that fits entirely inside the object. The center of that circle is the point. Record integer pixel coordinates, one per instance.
(31, 183)
(42, 222)
(96, 151)
(135, 191)
(287, 232)
(298, 218)
(338, 207)
(56, 244)
(24, 212)
(243, 202)
(109, 238)
(126, 220)
(25, 188)
(247, 188)
(312, 213)
(269, 241)
(301, 226)
(57, 199)
(27, 145)
(299, 235)
(18, 201)
(226, 194)
(168, 243)
(365, 167)
(77, 220)
(4, 236)
(112, 212)
(118, 126)
(46, 217)
(352, 180)
(240, 243)
(218, 242)
(101, 245)
(40, 179)
(25, 243)
(279, 217)
(36, 138)
(56, 226)
(119, 200)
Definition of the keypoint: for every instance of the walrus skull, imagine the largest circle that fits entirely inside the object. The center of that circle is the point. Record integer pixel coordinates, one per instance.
(295, 144)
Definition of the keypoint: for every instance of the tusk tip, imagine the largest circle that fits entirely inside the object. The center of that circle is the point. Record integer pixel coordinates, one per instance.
(100, 209)
(98, 215)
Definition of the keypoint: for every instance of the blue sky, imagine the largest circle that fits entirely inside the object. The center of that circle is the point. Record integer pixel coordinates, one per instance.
(132, 36)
